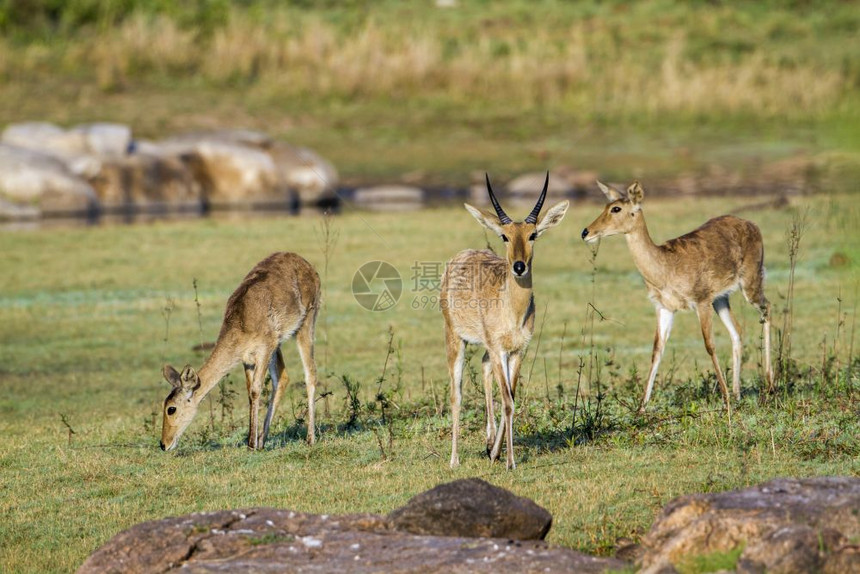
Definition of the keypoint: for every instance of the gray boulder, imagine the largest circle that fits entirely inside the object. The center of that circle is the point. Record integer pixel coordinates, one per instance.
(270, 540)
(785, 525)
(81, 149)
(41, 181)
(563, 182)
(389, 197)
(472, 508)
(529, 185)
(45, 137)
(188, 140)
(105, 140)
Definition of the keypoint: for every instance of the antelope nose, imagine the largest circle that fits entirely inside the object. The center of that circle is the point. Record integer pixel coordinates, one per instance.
(162, 446)
(519, 267)
(584, 233)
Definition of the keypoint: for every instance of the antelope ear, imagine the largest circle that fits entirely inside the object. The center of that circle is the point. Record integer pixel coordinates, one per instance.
(171, 376)
(553, 216)
(491, 222)
(636, 194)
(611, 193)
(189, 379)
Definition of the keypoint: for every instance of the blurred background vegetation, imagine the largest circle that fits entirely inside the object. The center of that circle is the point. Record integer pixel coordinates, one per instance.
(391, 88)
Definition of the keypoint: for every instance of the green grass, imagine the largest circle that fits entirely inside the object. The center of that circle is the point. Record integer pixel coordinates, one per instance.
(713, 562)
(84, 331)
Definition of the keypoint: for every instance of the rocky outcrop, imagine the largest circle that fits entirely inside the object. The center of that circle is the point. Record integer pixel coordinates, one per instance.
(143, 180)
(34, 182)
(563, 182)
(278, 168)
(225, 168)
(473, 508)
(310, 176)
(271, 540)
(389, 197)
(234, 175)
(101, 139)
(781, 526)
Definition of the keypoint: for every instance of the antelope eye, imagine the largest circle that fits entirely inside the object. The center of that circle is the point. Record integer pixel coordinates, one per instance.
(615, 209)
(171, 410)
(533, 236)
(504, 238)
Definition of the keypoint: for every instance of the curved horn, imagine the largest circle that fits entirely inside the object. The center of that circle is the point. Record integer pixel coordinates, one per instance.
(503, 217)
(532, 218)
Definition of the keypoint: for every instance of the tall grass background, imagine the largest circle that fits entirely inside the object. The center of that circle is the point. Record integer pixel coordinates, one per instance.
(411, 91)
(609, 58)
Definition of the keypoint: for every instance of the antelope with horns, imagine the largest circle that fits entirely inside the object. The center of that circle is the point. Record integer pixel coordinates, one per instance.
(698, 271)
(488, 299)
(278, 299)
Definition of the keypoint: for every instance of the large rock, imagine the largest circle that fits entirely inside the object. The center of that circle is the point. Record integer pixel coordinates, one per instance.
(389, 197)
(81, 149)
(472, 508)
(529, 186)
(236, 175)
(45, 137)
(273, 170)
(269, 540)
(41, 181)
(563, 182)
(313, 178)
(105, 140)
(143, 180)
(188, 140)
(785, 525)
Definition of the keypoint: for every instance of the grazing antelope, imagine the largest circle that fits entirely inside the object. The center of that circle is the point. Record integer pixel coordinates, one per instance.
(488, 299)
(698, 271)
(278, 299)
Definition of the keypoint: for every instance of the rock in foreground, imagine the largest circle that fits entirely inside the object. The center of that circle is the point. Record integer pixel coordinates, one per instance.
(271, 540)
(785, 525)
(473, 508)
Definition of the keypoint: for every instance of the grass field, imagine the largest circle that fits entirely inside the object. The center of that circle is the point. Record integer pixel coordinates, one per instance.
(88, 316)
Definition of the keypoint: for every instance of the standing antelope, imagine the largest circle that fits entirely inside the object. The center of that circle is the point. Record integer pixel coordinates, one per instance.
(698, 271)
(279, 298)
(488, 300)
